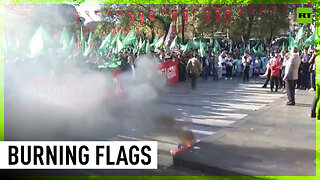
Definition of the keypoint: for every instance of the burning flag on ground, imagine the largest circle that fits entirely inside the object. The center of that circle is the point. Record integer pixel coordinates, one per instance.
(187, 140)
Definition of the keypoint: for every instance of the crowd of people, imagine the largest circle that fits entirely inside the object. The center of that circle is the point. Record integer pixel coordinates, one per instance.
(284, 70)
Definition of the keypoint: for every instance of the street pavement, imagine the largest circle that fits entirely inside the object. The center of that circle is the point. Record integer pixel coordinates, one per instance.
(276, 140)
(213, 108)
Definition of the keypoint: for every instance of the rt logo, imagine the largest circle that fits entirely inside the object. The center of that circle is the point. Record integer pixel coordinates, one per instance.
(304, 15)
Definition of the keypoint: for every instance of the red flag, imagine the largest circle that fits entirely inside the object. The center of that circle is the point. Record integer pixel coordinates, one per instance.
(295, 9)
(185, 15)
(92, 44)
(141, 17)
(77, 17)
(79, 42)
(128, 30)
(272, 7)
(173, 29)
(261, 9)
(15, 8)
(284, 9)
(137, 31)
(120, 11)
(227, 14)
(164, 34)
(26, 11)
(217, 12)
(122, 30)
(194, 10)
(114, 31)
(207, 15)
(309, 4)
(131, 16)
(241, 10)
(164, 11)
(251, 10)
(109, 13)
(174, 15)
(151, 15)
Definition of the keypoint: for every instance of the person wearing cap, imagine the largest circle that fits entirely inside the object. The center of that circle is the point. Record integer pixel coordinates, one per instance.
(291, 75)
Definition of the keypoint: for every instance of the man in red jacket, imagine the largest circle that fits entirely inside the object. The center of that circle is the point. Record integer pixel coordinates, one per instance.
(275, 66)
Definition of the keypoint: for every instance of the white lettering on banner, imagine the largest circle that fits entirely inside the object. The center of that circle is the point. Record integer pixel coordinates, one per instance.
(171, 73)
(78, 155)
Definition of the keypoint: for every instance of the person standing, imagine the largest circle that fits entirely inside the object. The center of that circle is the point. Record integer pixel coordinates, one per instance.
(194, 68)
(291, 75)
(229, 66)
(267, 75)
(305, 74)
(205, 67)
(246, 67)
(215, 68)
(221, 63)
(312, 70)
(275, 67)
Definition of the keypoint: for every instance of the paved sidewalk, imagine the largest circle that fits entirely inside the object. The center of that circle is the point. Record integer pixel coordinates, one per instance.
(275, 140)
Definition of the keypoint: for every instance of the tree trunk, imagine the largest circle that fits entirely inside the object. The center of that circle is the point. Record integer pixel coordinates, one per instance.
(247, 36)
(182, 26)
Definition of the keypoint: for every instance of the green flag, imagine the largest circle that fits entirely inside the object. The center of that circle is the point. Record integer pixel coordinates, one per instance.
(201, 50)
(106, 42)
(300, 34)
(71, 44)
(36, 43)
(283, 47)
(114, 41)
(291, 42)
(65, 39)
(148, 47)
(114, 63)
(131, 38)
(90, 39)
(123, 36)
(256, 45)
(260, 47)
(174, 43)
(119, 46)
(89, 49)
(140, 43)
(83, 40)
(216, 46)
(143, 46)
(310, 41)
(184, 48)
(159, 43)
